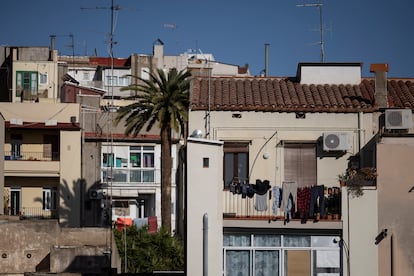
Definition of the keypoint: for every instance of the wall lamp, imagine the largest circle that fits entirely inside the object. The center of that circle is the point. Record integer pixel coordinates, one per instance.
(381, 236)
(411, 190)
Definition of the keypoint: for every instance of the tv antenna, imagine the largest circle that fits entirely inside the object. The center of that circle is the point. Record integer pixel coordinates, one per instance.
(318, 5)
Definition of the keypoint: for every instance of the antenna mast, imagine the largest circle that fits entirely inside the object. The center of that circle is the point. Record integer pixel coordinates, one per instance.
(319, 5)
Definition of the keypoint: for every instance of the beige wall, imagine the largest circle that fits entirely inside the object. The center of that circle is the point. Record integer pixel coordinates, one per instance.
(49, 91)
(204, 196)
(258, 127)
(70, 173)
(396, 205)
(39, 112)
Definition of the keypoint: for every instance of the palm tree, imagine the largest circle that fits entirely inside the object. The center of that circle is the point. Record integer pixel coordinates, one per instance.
(163, 99)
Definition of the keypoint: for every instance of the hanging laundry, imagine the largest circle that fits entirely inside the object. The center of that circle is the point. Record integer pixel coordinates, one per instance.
(288, 188)
(277, 198)
(261, 202)
(317, 193)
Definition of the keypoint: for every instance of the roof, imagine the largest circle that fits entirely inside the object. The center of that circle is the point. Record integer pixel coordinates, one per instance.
(287, 95)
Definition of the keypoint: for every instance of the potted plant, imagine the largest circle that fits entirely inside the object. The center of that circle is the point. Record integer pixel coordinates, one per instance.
(343, 177)
(358, 178)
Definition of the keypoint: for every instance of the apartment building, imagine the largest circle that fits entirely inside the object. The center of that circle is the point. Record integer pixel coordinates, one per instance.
(30, 74)
(268, 149)
(42, 161)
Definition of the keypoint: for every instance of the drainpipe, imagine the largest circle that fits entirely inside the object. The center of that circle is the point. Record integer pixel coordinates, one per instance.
(205, 244)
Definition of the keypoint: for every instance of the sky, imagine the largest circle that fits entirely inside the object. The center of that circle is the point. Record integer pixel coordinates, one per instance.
(234, 31)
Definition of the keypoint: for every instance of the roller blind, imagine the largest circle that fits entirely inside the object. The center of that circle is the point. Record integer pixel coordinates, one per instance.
(300, 163)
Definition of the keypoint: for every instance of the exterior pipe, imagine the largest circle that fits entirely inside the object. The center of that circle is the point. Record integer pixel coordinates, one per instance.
(205, 244)
(266, 60)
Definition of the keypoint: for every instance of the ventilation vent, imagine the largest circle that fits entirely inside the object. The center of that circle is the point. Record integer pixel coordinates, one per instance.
(398, 119)
(336, 141)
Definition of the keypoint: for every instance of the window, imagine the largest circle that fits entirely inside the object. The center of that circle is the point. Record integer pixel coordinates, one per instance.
(124, 81)
(276, 255)
(49, 198)
(129, 164)
(111, 80)
(141, 160)
(300, 163)
(26, 84)
(43, 78)
(86, 76)
(236, 162)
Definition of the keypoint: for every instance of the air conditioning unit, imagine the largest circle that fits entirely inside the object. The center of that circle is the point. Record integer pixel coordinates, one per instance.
(336, 141)
(95, 194)
(398, 119)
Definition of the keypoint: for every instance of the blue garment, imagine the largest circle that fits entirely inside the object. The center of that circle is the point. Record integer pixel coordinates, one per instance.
(277, 198)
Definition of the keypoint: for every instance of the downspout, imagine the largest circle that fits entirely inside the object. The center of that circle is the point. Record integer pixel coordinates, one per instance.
(205, 244)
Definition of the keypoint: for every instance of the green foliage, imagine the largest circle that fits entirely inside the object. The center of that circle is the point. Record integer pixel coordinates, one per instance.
(148, 252)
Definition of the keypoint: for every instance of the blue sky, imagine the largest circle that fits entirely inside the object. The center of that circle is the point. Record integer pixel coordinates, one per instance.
(234, 31)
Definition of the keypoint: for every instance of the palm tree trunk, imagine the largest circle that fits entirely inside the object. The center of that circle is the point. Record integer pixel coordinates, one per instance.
(166, 165)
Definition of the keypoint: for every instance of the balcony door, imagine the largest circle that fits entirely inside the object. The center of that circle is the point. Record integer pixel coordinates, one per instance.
(16, 146)
(15, 203)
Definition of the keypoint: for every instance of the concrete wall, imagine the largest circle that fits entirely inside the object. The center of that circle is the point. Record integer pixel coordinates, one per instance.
(30, 246)
(396, 205)
(204, 196)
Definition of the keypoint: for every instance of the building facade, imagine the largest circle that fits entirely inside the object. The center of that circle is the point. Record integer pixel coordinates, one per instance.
(285, 141)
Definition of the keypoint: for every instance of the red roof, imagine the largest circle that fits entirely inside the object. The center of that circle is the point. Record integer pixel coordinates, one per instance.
(286, 95)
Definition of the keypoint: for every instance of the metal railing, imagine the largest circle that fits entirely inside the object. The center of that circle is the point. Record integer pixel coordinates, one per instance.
(32, 156)
(131, 175)
(33, 213)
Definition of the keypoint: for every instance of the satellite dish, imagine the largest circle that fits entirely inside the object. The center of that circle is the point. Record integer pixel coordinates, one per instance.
(197, 134)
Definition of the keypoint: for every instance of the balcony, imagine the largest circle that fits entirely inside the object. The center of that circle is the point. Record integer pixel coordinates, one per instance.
(32, 213)
(32, 156)
(133, 176)
(239, 207)
(31, 164)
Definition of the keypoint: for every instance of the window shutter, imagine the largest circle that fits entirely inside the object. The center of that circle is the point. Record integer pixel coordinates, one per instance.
(300, 164)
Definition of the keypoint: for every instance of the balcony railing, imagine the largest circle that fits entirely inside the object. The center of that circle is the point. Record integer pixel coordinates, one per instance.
(118, 175)
(32, 156)
(33, 213)
(239, 207)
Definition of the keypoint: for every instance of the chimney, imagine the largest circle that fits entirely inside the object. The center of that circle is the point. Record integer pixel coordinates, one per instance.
(380, 70)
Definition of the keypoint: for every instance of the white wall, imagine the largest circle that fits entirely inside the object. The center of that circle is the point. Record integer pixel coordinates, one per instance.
(204, 196)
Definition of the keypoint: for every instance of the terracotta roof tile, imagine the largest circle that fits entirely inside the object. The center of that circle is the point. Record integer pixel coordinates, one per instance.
(285, 95)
